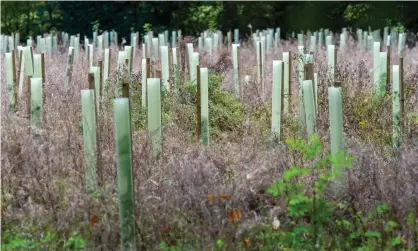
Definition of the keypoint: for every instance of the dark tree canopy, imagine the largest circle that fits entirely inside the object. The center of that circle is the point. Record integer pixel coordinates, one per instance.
(32, 18)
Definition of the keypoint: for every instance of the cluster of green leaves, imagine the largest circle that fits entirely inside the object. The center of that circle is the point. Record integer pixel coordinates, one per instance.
(313, 222)
(48, 241)
(308, 212)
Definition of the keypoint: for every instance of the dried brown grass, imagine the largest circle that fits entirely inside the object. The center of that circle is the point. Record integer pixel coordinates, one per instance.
(43, 177)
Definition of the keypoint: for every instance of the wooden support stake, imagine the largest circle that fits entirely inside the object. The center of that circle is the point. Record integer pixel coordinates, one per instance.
(31, 55)
(309, 75)
(98, 153)
(182, 56)
(101, 77)
(131, 60)
(110, 60)
(198, 105)
(19, 70)
(28, 84)
(88, 54)
(70, 72)
(125, 90)
(335, 60)
(388, 67)
(148, 68)
(43, 70)
(91, 81)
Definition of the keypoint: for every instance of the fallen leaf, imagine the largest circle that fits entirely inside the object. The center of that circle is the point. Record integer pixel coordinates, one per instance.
(166, 229)
(210, 197)
(225, 197)
(94, 220)
(230, 218)
(234, 215)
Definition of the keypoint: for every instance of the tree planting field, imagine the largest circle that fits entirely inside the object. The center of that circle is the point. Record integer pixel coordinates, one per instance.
(196, 143)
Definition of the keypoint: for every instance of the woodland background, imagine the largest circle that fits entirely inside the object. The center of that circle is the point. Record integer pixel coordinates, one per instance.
(33, 18)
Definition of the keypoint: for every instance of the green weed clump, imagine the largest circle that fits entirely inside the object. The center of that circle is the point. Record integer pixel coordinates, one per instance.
(226, 113)
(368, 120)
(45, 241)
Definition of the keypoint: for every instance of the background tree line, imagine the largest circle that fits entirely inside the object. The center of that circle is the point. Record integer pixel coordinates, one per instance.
(34, 18)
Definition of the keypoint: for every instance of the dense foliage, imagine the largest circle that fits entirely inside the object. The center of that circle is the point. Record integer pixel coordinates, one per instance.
(32, 18)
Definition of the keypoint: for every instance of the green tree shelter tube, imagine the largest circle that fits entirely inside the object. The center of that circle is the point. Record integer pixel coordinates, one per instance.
(9, 80)
(194, 63)
(276, 98)
(36, 101)
(144, 83)
(209, 45)
(328, 41)
(128, 54)
(400, 44)
(396, 107)
(155, 49)
(376, 70)
(70, 59)
(173, 39)
(175, 70)
(96, 72)
(37, 66)
(28, 60)
(204, 103)
(286, 81)
(165, 72)
(235, 48)
(189, 56)
(154, 117)
(88, 108)
(300, 39)
(331, 63)
(259, 61)
(215, 41)
(236, 36)
(383, 73)
(125, 176)
(337, 136)
(91, 54)
(301, 71)
(22, 56)
(308, 96)
(106, 68)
